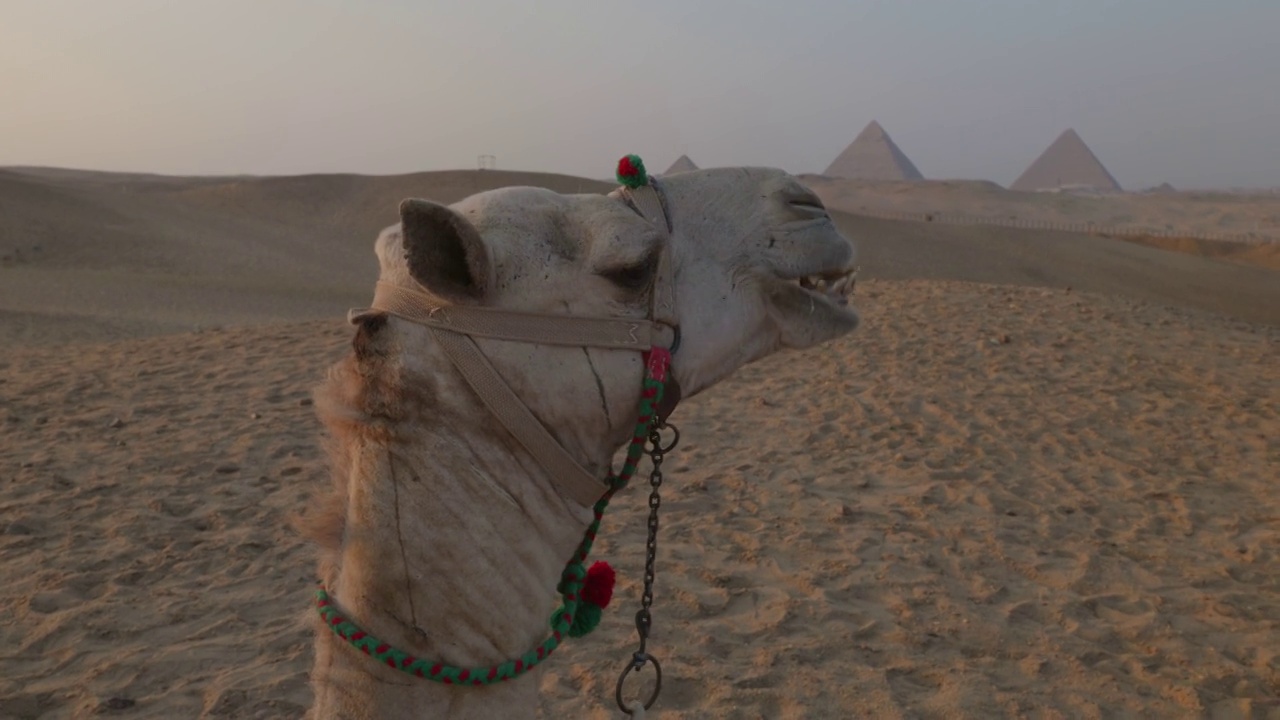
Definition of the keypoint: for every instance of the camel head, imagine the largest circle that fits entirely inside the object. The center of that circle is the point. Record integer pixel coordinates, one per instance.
(756, 261)
(760, 266)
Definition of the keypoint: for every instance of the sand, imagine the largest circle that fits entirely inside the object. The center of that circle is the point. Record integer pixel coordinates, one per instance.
(1254, 214)
(1000, 497)
(102, 256)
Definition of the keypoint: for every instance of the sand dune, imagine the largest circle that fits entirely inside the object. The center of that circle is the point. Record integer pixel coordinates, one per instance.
(998, 498)
(102, 256)
(1189, 212)
(1266, 255)
(1006, 256)
(97, 256)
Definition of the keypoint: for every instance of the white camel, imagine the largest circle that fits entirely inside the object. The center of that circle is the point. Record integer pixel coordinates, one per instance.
(446, 534)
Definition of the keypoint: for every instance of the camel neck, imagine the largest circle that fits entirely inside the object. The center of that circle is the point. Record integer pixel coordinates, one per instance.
(452, 550)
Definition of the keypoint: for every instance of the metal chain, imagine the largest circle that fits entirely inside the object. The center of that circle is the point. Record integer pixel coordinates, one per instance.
(644, 618)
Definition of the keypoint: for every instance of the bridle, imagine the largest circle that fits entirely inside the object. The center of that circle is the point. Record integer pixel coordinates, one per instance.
(454, 328)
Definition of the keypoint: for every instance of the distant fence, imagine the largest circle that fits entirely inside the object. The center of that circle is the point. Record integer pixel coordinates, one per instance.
(1255, 238)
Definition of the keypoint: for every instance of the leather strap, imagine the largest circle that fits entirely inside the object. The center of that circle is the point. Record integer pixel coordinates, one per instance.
(573, 480)
(573, 330)
(649, 202)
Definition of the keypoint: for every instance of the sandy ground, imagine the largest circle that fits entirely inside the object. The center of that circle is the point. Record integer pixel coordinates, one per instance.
(999, 498)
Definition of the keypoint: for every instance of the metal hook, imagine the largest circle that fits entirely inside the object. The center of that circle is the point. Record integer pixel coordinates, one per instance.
(675, 438)
(636, 664)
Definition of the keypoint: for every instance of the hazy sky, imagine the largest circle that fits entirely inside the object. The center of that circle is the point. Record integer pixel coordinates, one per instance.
(1184, 91)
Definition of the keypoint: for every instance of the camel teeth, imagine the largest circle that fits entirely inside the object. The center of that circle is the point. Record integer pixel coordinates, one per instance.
(835, 287)
(848, 283)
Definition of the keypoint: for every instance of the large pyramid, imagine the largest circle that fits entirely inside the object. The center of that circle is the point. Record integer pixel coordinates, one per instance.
(873, 156)
(1067, 163)
(682, 164)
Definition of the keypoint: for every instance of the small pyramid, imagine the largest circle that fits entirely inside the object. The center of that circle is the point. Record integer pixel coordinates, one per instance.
(682, 164)
(873, 156)
(1068, 162)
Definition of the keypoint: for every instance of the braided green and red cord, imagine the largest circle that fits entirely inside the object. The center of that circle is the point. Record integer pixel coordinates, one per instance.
(585, 593)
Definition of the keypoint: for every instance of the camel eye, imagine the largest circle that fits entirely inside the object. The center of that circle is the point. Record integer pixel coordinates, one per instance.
(632, 277)
(810, 204)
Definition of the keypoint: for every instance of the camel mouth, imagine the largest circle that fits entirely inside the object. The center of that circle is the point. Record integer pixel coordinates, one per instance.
(835, 287)
(815, 307)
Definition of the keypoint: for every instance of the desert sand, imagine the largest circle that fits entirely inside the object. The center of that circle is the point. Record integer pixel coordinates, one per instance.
(1039, 481)
(1254, 215)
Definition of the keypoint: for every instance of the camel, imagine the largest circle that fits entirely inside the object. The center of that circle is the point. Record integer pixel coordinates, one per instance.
(445, 536)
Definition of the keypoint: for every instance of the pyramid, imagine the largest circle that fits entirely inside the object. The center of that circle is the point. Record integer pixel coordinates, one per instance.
(682, 164)
(1068, 162)
(873, 156)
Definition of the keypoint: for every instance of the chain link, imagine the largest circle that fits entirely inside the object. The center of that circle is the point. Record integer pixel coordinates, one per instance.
(644, 617)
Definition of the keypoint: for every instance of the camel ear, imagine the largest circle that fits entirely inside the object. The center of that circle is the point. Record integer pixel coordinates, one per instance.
(444, 251)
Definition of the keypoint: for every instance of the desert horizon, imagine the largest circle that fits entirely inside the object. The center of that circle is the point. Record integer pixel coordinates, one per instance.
(77, 246)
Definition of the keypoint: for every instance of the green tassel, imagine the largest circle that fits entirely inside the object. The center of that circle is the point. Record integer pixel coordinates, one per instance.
(586, 619)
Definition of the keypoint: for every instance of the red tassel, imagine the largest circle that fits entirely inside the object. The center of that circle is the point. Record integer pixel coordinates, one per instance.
(631, 172)
(598, 589)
